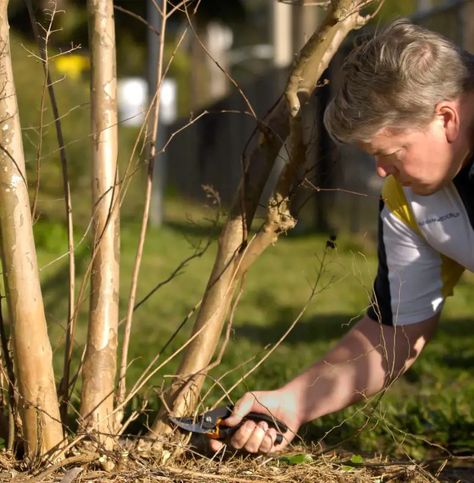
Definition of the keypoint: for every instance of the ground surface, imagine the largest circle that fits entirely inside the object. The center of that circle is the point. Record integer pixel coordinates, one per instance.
(329, 467)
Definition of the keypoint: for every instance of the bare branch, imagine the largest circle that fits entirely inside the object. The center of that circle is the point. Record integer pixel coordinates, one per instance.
(139, 18)
(146, 210)
(49, 84)
(225, 72)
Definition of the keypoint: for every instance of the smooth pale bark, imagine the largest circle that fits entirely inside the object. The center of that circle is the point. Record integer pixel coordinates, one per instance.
(236, 251)
(100, 363)
(38, 403)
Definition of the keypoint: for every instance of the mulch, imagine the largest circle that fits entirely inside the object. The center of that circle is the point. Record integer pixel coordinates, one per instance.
(135, 465)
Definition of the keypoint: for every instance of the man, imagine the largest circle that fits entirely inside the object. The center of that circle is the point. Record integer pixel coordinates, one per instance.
(407, 98)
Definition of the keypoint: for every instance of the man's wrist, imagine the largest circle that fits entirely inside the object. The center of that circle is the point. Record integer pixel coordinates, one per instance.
(295, 392)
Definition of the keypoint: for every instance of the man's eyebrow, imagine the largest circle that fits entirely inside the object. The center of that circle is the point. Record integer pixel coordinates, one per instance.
(382, 152)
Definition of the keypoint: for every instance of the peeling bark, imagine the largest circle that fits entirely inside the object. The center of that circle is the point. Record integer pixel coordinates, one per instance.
(99, 371)
(236, 252)
(38, 403)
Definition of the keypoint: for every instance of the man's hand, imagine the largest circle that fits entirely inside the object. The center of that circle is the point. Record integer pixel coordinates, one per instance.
(368, 358)
(259, 437)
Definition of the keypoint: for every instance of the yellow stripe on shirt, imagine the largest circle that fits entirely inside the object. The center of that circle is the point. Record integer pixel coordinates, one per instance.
(394, 197)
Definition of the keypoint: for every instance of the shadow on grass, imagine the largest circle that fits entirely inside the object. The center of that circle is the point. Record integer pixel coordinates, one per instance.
(456, 337)
(455, 327)
(324, 327)
(190, 228)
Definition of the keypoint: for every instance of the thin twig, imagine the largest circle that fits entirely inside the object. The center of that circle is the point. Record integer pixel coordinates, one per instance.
(145, 216)
(144, 127)
(192, 120)
(177, 271)
(72, 460)
(290, 328)
(224, 71)
(139, 18)
(181, 6)
(42, 47)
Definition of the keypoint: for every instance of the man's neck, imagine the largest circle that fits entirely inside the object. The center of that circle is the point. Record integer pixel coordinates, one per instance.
(467, 126)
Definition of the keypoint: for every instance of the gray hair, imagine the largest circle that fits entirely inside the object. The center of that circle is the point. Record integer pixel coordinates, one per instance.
(395, 79)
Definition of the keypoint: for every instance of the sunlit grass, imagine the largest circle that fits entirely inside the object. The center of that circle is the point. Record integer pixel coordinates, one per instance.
(432, 399)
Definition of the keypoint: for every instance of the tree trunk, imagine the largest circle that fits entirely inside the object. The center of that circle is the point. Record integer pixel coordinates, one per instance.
(100, 361)
(236, 251)
(38, 403)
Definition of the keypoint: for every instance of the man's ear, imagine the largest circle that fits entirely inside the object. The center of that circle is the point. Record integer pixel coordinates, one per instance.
(449, 114)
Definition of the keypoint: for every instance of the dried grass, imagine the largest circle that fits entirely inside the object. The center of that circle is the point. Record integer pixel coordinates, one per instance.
(135, 465)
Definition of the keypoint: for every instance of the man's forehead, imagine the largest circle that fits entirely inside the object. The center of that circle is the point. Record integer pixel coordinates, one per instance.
(385, 139)
(391, 132)
(379, 144)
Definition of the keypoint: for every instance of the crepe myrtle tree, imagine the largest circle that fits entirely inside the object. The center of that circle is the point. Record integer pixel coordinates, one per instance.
(103, 392)
(41, 429)
(238, 248)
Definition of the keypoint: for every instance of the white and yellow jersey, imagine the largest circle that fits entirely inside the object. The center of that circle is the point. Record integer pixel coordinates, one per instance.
(425, 243)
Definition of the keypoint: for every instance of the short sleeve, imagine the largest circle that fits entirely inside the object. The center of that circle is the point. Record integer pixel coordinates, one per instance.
(413, 279)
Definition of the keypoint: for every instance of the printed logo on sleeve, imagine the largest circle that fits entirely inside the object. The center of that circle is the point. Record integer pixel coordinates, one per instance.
(439, 219)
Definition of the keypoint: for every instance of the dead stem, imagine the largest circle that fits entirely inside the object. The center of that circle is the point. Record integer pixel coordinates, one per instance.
(145, 216)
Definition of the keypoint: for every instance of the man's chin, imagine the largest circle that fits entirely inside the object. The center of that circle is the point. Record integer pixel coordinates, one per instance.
(423, 190)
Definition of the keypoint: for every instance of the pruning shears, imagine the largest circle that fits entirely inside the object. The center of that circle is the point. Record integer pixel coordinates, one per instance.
(209, 423)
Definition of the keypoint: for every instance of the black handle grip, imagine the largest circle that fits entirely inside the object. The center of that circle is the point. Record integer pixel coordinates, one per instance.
(272, 422)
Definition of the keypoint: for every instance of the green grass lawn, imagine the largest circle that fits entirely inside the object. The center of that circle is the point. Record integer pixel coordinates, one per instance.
(432, 401)
(431, 404)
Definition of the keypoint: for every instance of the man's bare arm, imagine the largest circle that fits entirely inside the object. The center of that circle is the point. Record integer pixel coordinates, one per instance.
(362, 363)
(365, 361)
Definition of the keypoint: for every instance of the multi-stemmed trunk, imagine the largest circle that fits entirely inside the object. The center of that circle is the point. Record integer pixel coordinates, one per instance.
(37, 399)
(236, 248)
(100, 363)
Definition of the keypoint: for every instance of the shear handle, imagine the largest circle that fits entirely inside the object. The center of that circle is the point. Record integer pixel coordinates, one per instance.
(272, 422)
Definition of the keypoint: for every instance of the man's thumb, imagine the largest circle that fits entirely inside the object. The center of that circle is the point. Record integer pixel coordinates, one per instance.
(242, 407)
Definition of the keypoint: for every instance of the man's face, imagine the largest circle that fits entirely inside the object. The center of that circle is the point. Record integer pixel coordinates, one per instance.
(422, 159)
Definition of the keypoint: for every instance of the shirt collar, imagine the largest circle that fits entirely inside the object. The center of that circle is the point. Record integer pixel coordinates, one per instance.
(467, 172)
(470, 173)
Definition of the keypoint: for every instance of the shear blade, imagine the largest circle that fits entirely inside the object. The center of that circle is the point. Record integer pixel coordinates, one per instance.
(192, 425)
(204, 423)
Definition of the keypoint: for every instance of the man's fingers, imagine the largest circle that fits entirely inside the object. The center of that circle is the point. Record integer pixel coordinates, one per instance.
(256, 438)
(242, 435)
(250, 435)
(215, 445)
(267, 443)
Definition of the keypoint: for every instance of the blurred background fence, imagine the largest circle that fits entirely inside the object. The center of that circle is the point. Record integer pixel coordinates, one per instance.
(209, 151)
(255, 42)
